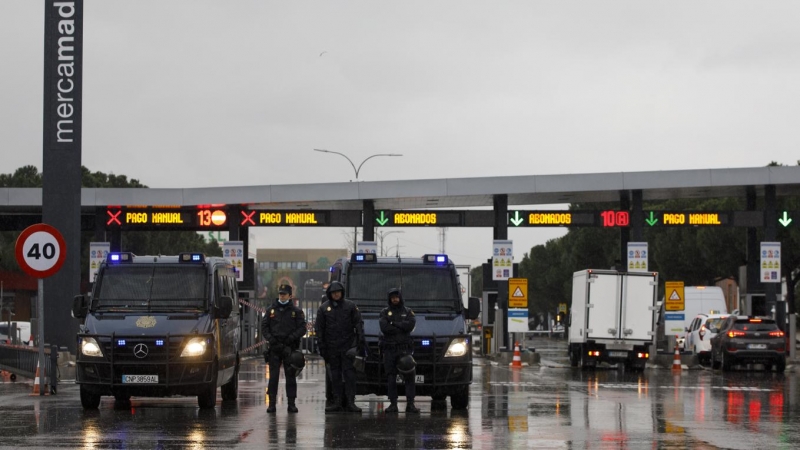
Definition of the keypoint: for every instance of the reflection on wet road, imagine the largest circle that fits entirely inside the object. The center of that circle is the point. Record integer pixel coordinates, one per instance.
(547, 406)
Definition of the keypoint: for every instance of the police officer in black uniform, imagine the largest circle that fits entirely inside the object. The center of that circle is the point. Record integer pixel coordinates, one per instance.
(339, 328)
(397, 322)
(283, 327)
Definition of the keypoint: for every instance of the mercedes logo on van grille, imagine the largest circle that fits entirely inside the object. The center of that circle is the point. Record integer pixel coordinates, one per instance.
(140, 351)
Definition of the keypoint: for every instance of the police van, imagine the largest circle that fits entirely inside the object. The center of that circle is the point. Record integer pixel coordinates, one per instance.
(158, 326)
(441, 341)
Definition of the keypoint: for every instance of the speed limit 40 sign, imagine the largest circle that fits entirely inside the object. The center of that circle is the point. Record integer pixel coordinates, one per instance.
(40, 250)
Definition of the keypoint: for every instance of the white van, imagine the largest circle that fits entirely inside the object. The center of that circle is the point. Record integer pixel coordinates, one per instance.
(700, 300)
(23, 332)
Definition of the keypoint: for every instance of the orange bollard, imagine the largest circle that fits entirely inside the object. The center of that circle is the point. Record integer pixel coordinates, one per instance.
(676, 360)
(36, 390)
(517, 361)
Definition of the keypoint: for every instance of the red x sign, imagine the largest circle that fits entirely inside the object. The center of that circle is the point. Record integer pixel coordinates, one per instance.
(114, 217)
(248, 218)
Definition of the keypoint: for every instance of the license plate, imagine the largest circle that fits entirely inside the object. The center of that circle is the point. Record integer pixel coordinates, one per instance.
(757, 346)
(140, 379)
(618, 354)
(418, 379)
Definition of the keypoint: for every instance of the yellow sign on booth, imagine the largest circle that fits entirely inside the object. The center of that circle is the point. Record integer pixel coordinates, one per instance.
(518, 293)
(673, 296)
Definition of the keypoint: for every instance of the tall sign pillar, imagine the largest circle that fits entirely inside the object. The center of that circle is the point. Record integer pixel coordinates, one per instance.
(61, 191)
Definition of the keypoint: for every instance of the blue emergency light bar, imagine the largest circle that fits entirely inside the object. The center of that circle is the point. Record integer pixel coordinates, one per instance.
(435, 259)
(362, 257)
(191, 258)
(118, 258)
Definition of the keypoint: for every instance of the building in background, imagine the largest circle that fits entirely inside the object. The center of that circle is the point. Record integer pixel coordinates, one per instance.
(18, 293)
(306, 270)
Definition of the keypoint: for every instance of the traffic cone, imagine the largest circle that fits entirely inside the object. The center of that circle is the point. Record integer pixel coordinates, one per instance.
(676, 360)
(517, 361)
(36, 390)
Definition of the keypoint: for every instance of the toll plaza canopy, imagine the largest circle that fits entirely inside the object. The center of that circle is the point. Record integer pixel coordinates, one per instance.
(441, 193)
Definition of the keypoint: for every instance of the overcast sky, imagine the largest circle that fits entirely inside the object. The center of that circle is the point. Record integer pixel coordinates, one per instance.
(209, 93)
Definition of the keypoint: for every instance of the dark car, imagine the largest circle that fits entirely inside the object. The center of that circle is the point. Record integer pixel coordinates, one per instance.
(748, 340)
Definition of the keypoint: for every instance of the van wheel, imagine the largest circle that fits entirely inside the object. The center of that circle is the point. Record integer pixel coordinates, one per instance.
(460, 400)
(230, 390)
(208, 399)
(89, 400)
(780, 365)
(573, 358)
(583, 359)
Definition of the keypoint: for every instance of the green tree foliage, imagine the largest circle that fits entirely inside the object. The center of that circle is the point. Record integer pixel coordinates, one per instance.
(138, 242)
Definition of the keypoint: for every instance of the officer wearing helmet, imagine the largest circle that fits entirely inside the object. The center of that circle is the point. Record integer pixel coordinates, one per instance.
(339, 328)
(283, 327)
(397, 322)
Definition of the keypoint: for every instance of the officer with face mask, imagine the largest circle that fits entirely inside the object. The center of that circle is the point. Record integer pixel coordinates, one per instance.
(397, 322)
(339, 328)
(283, 327)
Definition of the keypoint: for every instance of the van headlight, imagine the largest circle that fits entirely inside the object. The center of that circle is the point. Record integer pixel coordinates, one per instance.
(457, 347)
(195, 347)
(89, 347)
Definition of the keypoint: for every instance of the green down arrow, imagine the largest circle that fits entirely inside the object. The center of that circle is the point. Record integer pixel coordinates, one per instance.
(652, 220)
(516, 220)
(382, 221)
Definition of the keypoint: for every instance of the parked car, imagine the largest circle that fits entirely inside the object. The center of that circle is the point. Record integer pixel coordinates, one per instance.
(749, 340)
(699, 334)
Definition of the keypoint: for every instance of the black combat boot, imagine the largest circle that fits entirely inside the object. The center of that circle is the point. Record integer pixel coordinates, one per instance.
(351, 406)
(335, 406)
(392, 409)
(410, 408)
(292, 407)
(272, 404)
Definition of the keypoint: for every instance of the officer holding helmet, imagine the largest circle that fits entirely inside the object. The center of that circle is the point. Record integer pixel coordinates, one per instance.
(397, 322)
(283, 327)
(339, 328)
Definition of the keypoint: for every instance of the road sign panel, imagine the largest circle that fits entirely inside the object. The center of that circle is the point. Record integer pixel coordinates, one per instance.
(40, 250)
(518, 293)
(675, 300)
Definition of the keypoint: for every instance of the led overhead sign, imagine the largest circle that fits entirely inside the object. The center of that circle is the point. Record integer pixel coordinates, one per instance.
(569, 218)
(166, 217)
(687, 218)
(419, 218)
(284, 218)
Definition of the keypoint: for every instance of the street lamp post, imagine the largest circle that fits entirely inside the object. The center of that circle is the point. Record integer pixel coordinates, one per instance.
(357, 170)
(382, 236)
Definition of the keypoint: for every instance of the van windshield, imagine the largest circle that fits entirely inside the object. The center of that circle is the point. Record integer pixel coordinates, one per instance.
(424, 288)
(151, 287)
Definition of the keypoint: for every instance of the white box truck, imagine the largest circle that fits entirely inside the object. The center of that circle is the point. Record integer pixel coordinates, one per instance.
(612, 318)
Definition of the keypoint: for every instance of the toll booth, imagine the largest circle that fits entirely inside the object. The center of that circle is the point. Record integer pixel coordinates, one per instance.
(492, 328)
(250, 321)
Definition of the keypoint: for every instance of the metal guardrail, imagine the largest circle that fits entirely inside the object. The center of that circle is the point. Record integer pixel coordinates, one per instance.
(22, 361)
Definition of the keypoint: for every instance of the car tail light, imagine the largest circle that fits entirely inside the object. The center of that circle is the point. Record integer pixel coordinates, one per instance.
(736, 333)
(776, 333)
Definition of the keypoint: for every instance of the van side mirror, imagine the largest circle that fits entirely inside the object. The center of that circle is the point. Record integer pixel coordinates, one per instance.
(80, 307)
(223, 307)
(473, 308)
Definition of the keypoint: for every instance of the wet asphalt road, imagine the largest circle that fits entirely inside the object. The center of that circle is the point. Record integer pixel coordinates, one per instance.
(544, 406)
